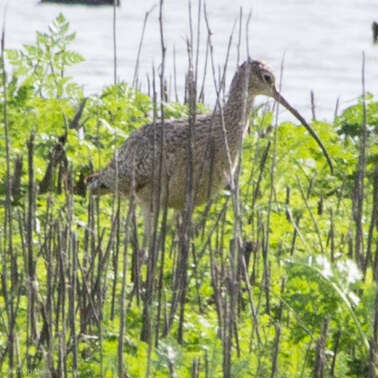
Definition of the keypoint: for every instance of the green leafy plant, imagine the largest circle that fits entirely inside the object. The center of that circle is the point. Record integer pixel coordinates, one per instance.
(43, 65)
(73, 268)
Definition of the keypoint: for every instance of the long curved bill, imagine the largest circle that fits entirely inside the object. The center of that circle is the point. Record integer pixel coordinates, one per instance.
(278, 97)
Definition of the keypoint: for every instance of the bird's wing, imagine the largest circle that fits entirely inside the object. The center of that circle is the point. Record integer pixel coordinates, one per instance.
(140, 154)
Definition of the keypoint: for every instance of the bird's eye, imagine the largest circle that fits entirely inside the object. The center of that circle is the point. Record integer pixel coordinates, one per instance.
(267, 77)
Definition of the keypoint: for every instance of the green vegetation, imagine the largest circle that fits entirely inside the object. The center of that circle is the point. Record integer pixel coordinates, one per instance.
(296, 297)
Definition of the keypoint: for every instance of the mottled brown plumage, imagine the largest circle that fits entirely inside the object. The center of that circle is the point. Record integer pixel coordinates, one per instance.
(217, 140)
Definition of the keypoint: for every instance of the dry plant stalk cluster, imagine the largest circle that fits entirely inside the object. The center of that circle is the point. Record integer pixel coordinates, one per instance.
(77, 284)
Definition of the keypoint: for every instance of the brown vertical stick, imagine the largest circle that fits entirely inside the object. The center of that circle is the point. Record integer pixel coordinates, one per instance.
(358, 197)
(136, 69)
(8, 228)
(115, 60)
(122, 324)
(72, 304)
(335, 350)
(320, 358)
(375, 32)
(32, 295)
(265, 247)
(373, 225)
(189, 201)
(153, 248)
(313, 105)
(277, 337)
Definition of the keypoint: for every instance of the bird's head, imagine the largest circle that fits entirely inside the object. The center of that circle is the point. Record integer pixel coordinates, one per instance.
(261, 81)
(96, 185)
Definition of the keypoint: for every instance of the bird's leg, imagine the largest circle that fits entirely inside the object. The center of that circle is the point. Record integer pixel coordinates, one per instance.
(149, 222)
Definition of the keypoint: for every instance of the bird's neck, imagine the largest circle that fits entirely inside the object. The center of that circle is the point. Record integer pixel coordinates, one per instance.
(237, 111)
(238, 108)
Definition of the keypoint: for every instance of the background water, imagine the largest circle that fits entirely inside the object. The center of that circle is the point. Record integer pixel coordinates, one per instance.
(322, 40)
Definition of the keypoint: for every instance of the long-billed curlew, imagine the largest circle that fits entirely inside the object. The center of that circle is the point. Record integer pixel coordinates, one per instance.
(216, 143)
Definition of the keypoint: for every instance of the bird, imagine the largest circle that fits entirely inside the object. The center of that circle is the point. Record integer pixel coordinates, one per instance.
(155, 157)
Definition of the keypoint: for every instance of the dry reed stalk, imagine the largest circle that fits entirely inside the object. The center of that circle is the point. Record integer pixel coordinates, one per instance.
(359, 186)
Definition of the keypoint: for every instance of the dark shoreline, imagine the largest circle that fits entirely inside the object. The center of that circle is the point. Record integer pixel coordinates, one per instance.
(84, 2)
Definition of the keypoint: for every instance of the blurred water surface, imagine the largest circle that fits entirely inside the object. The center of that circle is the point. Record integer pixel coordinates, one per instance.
(322, 42)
